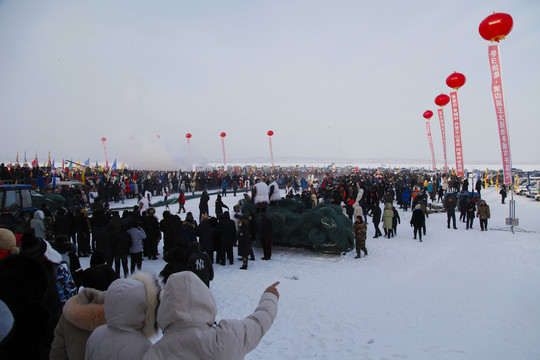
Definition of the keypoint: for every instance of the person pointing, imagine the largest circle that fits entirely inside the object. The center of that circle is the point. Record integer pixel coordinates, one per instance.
(187, 317)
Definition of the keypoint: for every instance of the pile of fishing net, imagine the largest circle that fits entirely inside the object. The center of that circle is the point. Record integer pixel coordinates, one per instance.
(323, 229)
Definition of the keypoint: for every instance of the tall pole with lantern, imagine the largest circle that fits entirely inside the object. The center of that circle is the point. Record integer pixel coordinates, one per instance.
(494, 28)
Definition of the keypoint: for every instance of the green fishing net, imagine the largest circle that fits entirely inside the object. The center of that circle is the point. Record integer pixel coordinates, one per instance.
(323, 229)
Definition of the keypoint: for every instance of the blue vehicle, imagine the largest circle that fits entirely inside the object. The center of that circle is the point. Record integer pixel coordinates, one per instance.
(16, 199)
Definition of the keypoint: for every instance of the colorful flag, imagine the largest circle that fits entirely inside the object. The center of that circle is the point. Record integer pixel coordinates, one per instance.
(114, 165)
(35, 162)
(87, 162)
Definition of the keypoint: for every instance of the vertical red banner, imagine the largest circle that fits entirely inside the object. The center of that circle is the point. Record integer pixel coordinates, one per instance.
(223, 149)
(498, 99)
(430, 139)
(443, 134)
(457, 133)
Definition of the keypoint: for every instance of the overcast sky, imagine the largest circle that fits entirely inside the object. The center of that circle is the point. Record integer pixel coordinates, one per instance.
(333, 79)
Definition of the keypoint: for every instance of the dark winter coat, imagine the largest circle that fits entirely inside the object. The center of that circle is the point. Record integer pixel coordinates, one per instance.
(396, 219)
(203, 202)
(64, 224)
(376, 213)
(265, 228)
(199, 263)
(219, 206)
(24, 290)
(170, 226)
(450, 203)
(105, 238)
(418, 218)
(227, 231)
(176, 262)
(252, 226)
(244, 240)
(463, 203)
(82, 224)
(206, 234)
(151, 227)
(188, 234)
(471, 210)
(121, 242)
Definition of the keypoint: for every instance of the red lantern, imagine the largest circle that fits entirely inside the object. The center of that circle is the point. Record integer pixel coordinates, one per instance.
(223, 134)
(428, 114)
(456, 80)
(496, 26)
(270, 133)
(442, 99)
(188, 135)
(103, 139)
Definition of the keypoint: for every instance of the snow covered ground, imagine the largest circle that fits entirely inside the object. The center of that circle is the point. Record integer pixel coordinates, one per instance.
(460, 294)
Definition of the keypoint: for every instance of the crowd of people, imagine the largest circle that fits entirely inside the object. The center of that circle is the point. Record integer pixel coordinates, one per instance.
(52, 308)
(47, 273)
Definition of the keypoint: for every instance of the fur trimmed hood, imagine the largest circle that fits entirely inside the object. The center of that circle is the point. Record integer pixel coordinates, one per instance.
(86, 310)
(152, 287)
(131, 304)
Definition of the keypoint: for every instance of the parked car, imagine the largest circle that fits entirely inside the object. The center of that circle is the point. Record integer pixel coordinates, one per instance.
(533, 192)
(527, 188)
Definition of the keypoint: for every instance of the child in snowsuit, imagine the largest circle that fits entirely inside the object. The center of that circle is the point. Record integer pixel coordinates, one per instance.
(483, 214)
(360, 229)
